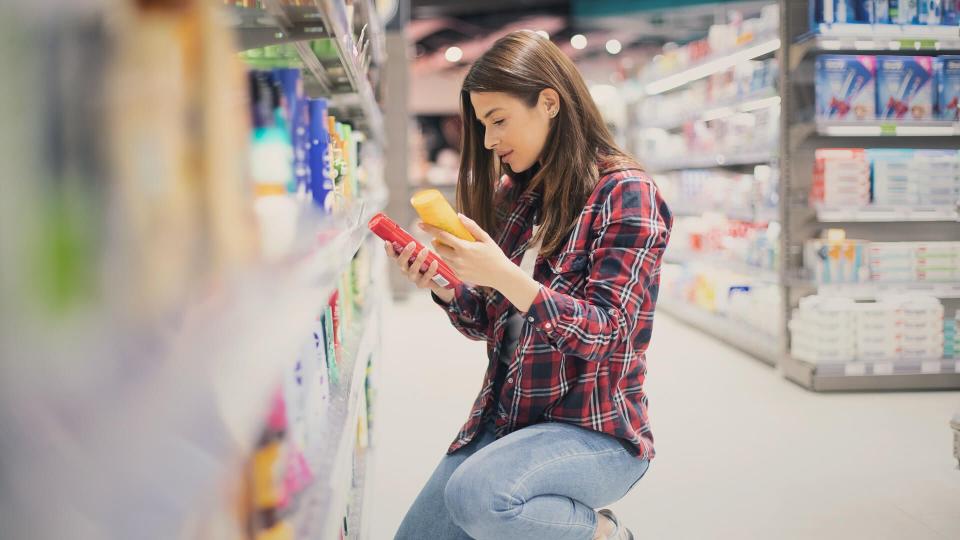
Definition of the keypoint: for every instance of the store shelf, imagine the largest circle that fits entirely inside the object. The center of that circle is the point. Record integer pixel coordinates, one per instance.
(886, 214)
(754, 273)
(821, 128)
(760, 215)
(712, 161)
(934, 374)
(870, 291)
(346, 81)
(255, 28)
(880, 38)
(319, 510)
(712, 111)
(711, 65)
(735, 333)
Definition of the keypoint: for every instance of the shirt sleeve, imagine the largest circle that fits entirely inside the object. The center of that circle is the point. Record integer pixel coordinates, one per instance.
(633, 229)
(467, 312)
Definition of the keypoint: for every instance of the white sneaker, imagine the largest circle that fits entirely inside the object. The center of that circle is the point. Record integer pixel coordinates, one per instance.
(620, 532)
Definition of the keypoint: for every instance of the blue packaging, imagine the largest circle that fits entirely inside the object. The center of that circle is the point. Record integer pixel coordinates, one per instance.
(947, 70)
(845, 11)
(904, 12)
(846, 87)
(905, 87)
(931, 12)
(878, 11)
(321, 185)
(951, 13)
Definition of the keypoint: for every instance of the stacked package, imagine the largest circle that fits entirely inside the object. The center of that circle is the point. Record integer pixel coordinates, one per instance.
(896, 262)
(824, 330)
(951, 339)
(836, 259)
(915, 177)
(841, 177)
(827, 330)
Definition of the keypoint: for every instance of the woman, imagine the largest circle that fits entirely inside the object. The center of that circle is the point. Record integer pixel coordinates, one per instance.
(562, 291)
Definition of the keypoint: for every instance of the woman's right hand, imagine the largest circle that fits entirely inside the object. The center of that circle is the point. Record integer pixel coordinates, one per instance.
(412, 269)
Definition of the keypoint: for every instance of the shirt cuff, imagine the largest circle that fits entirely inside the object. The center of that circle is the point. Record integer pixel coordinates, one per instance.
(547, 310)
(454, 307)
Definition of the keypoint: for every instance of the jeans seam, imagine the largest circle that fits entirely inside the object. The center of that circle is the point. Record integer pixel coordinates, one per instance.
(520, 484)
(588, 527)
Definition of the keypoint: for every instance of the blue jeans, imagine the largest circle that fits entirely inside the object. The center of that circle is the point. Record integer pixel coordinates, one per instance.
(542, 481)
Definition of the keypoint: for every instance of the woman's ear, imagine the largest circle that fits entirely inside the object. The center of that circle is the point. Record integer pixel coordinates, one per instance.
(550, 100)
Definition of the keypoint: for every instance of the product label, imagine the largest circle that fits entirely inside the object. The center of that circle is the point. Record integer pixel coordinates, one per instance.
(441, 281)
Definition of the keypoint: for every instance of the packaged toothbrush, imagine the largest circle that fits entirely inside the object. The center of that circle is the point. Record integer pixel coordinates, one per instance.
(947, 70)
(904, 12)
(931, 12)
(878, 11)
(846, 87)
(951, 13)
(905, 87)
(845, 11)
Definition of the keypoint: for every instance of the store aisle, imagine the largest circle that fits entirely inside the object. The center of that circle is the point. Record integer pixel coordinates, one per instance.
(742, 452)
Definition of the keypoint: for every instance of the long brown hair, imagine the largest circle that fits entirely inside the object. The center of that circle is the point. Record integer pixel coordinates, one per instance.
(522, 64)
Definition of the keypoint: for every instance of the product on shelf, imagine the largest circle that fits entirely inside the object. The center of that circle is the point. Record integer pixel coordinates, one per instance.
(846, 87)
(836, 259)
(899, 12)
(905, 87)
(746, 197)
(947, 70)
(825, 329)
(857, 178)
(841, 177)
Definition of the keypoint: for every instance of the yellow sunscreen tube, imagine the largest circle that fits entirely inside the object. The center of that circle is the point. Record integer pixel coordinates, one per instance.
(436, 211)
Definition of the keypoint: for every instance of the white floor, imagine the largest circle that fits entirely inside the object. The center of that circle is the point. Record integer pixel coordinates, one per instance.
(742, 453)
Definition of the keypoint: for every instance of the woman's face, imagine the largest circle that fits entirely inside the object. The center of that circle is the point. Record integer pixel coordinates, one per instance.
(515, 132)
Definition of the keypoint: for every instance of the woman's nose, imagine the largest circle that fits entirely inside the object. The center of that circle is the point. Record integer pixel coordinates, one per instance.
(488, 141)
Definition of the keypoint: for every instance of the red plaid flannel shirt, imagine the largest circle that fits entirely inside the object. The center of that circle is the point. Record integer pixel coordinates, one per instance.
(581, 353)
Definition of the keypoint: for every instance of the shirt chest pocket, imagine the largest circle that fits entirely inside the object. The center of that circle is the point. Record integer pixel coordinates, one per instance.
(568, 270)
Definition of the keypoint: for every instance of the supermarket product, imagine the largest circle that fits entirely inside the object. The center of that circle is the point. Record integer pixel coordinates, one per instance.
(837, 260)
(905, 87)
(845, 87)
(388, 230)
(904, 12)
(321, 185)
(878, 10)
(930, 12)
(915, 177)
(434, 210)
(951, 13)
(841, 177)
(947, 70)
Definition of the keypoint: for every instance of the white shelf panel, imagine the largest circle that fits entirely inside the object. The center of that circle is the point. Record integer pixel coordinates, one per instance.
(711, 65)
(694, 259)
(932, 374)
(882, 214)
(888, 129)
(753, 102)
(870, 291)
(887, 37)
(735, 333)
(712, 161)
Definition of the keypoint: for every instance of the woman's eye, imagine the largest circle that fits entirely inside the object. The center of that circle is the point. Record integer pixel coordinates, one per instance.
(498, 123)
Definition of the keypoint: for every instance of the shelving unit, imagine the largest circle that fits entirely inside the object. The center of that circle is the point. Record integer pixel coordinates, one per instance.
(737, 334)
(761, 275)
(711, 161)
(801, 136)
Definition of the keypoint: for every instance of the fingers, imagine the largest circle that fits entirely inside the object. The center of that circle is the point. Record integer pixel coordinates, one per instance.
(413, 272)
(474, 229)
(404, 258)
(445, 251)
(443, 236)
(426, 278)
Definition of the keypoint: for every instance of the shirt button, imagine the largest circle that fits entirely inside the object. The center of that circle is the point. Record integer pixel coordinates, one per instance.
(530, 319)
(612, 311)
(510, 380)
(548, 326)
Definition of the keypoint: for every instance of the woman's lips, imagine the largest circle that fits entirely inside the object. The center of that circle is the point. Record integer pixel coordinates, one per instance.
(506, 157)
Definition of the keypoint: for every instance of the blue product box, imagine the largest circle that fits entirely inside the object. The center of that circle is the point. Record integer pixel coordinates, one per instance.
(905, 87)
(846, 87)
(951, 13)
(845, 11)
(931, 12)
(904, 12)
(878, 11)
(947, 70)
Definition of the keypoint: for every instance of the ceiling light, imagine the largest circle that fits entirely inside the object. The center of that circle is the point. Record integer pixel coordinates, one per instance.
(453, 54)
(579, 41)
(613, 46)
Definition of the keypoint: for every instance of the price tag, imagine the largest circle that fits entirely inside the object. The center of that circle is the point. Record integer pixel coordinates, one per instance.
(854, 369)
(930, 366)
(883, 368)
(918, 44)
(888, 129)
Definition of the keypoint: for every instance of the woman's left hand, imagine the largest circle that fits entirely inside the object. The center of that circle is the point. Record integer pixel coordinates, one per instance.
(480, 263)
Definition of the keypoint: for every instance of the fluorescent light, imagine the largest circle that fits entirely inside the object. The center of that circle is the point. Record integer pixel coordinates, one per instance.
(544, 34)
(709, 68)
(579, 41)
(614, 46)
(453, 54)
(760, 104)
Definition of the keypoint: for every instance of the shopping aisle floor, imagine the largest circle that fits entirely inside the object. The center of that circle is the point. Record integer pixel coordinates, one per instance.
(742, 453)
